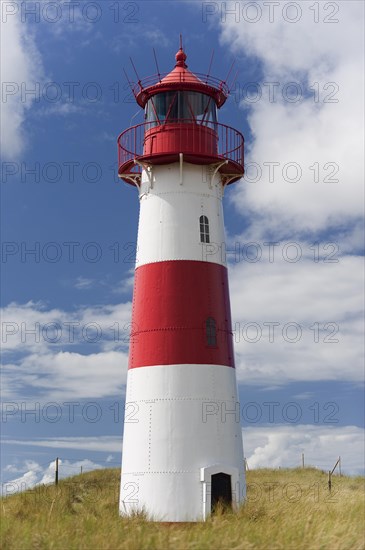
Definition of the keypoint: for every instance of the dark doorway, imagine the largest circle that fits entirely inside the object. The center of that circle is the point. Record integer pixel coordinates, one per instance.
(221, 491)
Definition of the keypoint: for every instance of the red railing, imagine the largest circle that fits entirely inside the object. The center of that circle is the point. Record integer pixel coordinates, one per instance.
(208, 143)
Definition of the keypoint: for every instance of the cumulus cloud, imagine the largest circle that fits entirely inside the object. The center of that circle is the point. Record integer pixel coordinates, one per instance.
(22, 69)
(32, 327)
(298, 321)
(66, 375)
(35, 474)
(322, 135)
(40, 356)
(281, 446)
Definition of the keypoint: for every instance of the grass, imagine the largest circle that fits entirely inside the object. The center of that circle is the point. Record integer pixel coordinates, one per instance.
(285, 509)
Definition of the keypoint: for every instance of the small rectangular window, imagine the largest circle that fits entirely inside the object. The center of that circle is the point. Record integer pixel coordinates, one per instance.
(204, 229)
(211, 332)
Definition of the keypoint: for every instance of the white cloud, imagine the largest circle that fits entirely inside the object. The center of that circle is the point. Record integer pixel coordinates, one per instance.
(40, 356)
(283, 445)
(31, 327)
(126, 284)
(22, 70)
(157, 37)
(82, 283)
(72, 17)
(103, 443)
(66, 375)
(36, 474)
(130, 40)
(64, 109)
(306, 132)
(279, 43)
(304, 293)
(105, 137)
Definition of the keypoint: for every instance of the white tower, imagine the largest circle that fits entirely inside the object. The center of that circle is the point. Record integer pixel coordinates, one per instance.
(182, 444)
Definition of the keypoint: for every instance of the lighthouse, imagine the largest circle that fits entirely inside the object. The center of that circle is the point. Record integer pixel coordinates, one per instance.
(182, 442)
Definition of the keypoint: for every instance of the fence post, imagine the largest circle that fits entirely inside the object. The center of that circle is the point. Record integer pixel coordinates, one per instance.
(302, 460)
(56, 473)
(329, 480)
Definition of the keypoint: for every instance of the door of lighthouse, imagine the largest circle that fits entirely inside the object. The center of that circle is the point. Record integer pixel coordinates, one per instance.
(221, 490)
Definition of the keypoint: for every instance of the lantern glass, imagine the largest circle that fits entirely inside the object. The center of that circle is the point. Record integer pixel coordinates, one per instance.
(181, 106)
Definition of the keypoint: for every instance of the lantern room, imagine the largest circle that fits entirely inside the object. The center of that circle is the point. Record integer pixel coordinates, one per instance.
(180, 125)
(173, 106)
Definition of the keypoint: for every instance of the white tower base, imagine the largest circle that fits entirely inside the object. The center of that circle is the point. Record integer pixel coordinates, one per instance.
(182, 426)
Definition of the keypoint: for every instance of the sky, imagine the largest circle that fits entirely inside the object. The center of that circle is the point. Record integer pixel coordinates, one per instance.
(294, 224)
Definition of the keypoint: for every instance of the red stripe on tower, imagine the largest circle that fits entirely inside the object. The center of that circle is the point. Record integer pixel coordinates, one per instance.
(181, 315)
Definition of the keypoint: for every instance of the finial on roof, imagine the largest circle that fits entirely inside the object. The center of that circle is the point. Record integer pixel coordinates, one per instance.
(180, 59)
(181, 56)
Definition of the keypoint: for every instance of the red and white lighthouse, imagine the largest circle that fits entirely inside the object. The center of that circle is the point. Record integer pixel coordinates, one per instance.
(182, 444)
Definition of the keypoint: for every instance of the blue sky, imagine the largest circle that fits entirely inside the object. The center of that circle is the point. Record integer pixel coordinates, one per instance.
(297, 304)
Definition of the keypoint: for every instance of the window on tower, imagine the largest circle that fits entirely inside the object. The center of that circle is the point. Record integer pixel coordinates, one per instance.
(211, 332)
(204, 229)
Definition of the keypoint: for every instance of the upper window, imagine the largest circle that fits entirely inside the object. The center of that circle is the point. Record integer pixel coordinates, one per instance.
(175, 105)
(211, 332)
(204, 229)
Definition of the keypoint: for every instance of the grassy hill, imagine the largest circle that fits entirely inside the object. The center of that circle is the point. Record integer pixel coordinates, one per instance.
(285, 509)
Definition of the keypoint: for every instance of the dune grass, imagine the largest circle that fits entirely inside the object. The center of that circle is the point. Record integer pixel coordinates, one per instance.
(285, 509)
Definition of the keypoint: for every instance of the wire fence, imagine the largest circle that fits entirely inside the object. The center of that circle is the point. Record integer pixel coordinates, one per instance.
(84, 468)
(67, 467)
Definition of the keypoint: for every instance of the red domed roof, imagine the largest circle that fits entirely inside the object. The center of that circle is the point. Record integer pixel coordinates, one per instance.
(181, 72)
(181, 78)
